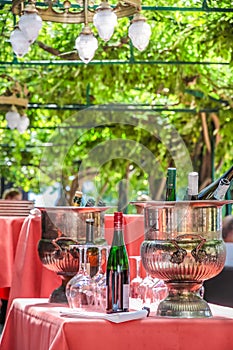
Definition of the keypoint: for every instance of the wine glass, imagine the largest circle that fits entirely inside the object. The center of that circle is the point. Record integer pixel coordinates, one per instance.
(102, 257)
(145, 290)
(135, 292)
(100, 279)
(78, 275)
(159, 292)
(82, 292)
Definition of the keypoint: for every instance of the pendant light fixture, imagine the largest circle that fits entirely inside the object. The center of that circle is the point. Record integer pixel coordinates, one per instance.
(104, 17)
(105, 21)
(15, 104)
(30, 23)
(139, 32)
(20, 44)
(86, 44)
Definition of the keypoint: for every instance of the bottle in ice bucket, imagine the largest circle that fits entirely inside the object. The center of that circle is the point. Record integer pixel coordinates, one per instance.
(92, 250)
(218, 188)
(117, 272)
(77, 200)
(171, 184)
(192, 190)
(215, 193)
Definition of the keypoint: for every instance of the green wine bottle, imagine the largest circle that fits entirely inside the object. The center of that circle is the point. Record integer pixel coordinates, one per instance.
(117, 272)
(218, 193)
(209, 191)
(171, 184)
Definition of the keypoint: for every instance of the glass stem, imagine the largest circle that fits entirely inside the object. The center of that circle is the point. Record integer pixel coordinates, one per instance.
(138, 259)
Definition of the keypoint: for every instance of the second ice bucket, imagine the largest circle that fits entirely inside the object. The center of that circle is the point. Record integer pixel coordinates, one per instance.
(183, 246)
(62, 228)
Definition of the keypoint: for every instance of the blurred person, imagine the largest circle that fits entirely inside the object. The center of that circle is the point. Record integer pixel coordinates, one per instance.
(12, 194)
(227, 235)
(227, 229)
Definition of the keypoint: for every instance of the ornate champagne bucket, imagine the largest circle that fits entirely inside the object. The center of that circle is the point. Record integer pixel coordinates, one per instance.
(183, 246)
(62, 228)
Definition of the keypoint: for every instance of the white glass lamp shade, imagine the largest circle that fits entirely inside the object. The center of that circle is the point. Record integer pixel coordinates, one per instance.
(139, 33)
(12, 118)
(19, 42)
(105, 21)
(86, 45)
(23, 124)
(30, 24)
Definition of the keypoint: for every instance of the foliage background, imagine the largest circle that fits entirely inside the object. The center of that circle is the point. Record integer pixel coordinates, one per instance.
(185, 77)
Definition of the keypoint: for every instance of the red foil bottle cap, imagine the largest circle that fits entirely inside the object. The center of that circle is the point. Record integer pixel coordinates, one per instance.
(118, 220)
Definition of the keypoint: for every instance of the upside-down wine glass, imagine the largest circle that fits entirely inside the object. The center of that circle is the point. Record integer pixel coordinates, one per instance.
(135, 293)
(78, 275)
(145, 290)
(100, 280)
(82, 292)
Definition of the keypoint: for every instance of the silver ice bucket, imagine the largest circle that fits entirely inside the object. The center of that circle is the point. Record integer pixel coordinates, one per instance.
(183, 246)
(62, 228)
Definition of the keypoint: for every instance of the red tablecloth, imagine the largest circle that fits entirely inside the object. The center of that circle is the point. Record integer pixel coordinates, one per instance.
(30, 279)
(10, 229)
(35, 324)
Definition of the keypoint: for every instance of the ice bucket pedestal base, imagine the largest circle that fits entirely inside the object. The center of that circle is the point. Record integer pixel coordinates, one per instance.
(184, 301)
(59, 294)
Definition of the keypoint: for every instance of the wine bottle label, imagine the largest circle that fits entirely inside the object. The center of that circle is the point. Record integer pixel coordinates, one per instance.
(125, 296)
(117, 291)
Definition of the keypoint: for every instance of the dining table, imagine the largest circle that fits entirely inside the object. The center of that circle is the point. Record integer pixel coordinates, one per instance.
(33, 323)
(29, 278)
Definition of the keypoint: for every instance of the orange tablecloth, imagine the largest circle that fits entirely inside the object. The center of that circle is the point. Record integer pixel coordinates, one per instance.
(30, 279)
(9, 234)
(35, 324)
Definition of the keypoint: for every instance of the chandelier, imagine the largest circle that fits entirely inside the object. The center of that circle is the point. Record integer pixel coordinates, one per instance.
(14, 101)
(104, 17)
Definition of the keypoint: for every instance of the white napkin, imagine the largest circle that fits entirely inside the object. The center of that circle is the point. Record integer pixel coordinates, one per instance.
(114, 317)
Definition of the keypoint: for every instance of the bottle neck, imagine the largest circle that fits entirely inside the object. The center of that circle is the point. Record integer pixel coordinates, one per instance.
(171, 185)
(118, 236)
(89, 231)
(228, 175)
(171, 194)
(192, 185)
(222, 188)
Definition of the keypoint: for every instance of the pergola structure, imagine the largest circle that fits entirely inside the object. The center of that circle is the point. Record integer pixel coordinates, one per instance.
(173, 76)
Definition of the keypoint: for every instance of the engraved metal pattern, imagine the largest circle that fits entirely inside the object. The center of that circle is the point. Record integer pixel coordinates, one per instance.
(62, 228)
(183, 246)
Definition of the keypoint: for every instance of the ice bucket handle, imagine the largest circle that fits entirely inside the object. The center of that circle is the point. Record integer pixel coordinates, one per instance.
(66, 243)
(198, 253)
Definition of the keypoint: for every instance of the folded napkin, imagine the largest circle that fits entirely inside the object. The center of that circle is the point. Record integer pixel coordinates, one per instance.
(114, 317)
